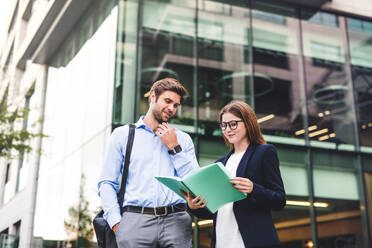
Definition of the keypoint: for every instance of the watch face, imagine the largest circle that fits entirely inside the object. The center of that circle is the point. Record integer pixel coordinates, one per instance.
(177, 149)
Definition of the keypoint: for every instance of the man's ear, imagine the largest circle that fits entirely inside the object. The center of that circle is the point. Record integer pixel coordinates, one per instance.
(152, 97)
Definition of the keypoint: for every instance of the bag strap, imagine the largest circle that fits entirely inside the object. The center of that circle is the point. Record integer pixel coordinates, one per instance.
(126, 165)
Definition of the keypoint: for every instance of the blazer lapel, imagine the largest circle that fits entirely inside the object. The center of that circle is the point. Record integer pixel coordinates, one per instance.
(242, 167)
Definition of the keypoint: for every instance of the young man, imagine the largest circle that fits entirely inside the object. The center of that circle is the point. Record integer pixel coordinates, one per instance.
(153, 216)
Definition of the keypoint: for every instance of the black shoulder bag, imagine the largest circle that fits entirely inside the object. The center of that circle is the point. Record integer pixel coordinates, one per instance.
(105, 235)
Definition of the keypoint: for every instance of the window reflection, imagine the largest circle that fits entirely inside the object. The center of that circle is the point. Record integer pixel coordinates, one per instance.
(335, 183)
(223, 68)
(360, 33)
(329, 97)
(293, 223)
(167, 39)
(323, 18)
(276, 79)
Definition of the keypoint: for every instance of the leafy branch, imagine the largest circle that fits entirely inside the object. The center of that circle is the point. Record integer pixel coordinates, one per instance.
(12, 139)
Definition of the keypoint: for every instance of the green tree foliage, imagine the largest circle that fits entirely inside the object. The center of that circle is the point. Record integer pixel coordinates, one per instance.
(79, 226)
(10, 138)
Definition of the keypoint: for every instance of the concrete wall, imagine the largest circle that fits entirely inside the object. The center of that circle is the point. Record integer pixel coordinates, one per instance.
(362, 8)
(77, 120)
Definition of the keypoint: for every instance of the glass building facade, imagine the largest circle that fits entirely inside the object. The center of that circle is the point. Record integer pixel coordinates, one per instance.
(307, 74)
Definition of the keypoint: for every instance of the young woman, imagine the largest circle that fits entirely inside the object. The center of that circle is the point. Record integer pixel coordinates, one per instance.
(248, 222)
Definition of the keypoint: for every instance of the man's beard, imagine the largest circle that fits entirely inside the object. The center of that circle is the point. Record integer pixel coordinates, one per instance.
(157, 116)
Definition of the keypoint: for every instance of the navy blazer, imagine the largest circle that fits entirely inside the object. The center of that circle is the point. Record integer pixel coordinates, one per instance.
(259, 164)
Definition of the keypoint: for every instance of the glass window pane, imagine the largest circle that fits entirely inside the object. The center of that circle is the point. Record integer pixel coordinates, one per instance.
(367, 162)
(322, 18)
(360, 35)
(293, 223)
(223, 69)
(329, 97)
(336, 199)
(277, 86)
(167, 38)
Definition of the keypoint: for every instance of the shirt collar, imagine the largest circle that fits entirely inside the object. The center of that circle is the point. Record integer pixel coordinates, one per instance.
(140, 122)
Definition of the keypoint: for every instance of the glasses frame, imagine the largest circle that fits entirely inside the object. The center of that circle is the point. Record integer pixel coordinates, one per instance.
(229, 124)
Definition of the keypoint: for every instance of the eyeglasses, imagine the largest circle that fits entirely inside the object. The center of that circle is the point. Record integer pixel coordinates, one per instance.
(232, 124)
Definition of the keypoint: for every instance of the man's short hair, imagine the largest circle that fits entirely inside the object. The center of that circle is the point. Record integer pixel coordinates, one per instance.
(169, 84)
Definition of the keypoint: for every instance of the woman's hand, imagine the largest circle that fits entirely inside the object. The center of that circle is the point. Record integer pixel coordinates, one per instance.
(194, 203)
(242, 184)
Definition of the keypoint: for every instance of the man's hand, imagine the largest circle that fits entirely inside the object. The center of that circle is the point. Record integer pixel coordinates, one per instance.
(167, 135)
(194, 203)
(115, 227)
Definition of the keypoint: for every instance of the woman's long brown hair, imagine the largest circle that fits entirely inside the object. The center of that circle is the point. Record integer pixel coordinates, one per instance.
(245, 112)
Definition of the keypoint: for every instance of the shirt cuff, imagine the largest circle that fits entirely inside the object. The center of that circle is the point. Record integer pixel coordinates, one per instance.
(112, 218)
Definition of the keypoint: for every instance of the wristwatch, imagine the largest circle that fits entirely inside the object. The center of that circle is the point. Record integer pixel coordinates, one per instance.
(175, 150)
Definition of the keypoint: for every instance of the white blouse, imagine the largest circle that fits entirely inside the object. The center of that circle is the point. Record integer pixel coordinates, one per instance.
(227, 231)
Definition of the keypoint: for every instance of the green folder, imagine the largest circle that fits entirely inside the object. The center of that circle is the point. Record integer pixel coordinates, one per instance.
(211, 181)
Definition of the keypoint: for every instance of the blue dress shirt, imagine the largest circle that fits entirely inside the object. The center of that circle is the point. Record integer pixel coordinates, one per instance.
(149, 158)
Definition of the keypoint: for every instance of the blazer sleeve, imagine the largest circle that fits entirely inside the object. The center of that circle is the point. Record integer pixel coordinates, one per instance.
(202, 213)
(271, 193)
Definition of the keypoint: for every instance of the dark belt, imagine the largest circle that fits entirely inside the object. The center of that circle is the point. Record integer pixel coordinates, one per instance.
(157, 211)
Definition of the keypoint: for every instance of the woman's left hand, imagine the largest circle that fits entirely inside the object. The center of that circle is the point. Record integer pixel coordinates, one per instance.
(242, 184)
